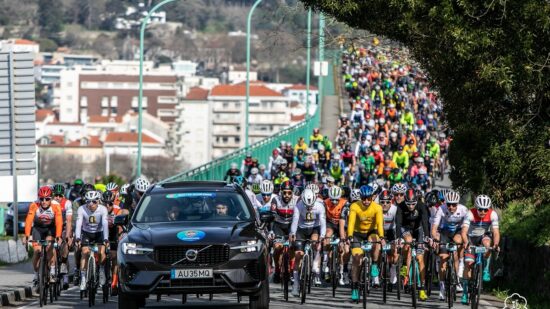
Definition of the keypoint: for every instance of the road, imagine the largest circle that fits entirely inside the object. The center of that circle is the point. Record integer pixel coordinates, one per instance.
(319, 298)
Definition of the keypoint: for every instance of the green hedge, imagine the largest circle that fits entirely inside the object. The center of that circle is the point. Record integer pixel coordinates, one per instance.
(523, 220)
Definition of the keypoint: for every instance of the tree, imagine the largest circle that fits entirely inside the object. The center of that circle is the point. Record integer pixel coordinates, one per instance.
(50, 17)
(490, 61)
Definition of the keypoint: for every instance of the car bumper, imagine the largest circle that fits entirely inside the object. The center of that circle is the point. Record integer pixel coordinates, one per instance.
(243, 274)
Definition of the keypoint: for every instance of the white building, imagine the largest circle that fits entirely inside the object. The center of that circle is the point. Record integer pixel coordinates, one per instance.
(298, 92)
(125, 143)
(184, 68)
(20, 45)
(238, 75)
(191, 141)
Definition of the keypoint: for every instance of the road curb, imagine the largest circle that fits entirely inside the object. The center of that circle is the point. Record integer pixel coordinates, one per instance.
(17, 295)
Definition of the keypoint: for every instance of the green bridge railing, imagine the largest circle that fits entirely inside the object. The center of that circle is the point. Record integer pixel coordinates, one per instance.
(216, 169)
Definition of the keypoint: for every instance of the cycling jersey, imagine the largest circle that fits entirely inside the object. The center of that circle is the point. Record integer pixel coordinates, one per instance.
(401, 159)
(315, 140)
(365, 219)
(433, 150)
(39, 217)
(111, 223)
(66, 207)
(478, 226)
(389, 218)
(92, 222)
(283, 211)
(450, 222)
(407, 220)
(334, 211)
(306, 219)
(253, 199)
(265, 206)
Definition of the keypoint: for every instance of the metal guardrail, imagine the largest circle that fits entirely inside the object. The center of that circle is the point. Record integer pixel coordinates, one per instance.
(216, 169)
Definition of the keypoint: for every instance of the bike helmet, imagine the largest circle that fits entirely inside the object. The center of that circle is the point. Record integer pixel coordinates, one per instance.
(335, 193)
(44, 191)
(238, 180)
(142, 184)
(355, 195)
(111, 186)
(108, 197)
(58, 189)
(78, 182)
(385, 196)
(233, 166)
(411, 197)
(92, 196)
(366, 191)
(483, 202)
(431, 198)
(286, 186)
(256, 188)
(452, 197)
(399, 188)
(441, 195)
(266, 187)
(309, 197)
(313, 187)
(375, 187)
(124, 188)
(254, 171)
(86, 187)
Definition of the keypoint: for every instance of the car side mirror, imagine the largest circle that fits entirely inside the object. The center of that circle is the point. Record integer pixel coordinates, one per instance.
(121, 220)
(267, 217)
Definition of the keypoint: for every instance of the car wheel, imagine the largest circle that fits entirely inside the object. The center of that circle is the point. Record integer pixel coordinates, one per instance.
(127, 302)
(261, 300)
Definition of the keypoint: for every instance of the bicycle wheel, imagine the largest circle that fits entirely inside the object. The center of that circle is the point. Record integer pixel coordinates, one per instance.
(51, 291)
(476, 289)
(303, 278)
(41, 281)
(384, 277)
(454, 282)
(309, 275)
(399, 278)
(448, 283)
(286, 274)
(90, 278)
(106, 288)
(334, 271)
(365, 282)
(429, 273)
(412, 281)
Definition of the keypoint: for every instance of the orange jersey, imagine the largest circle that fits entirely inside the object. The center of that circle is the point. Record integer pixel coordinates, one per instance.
(333, 212)
(38, 216)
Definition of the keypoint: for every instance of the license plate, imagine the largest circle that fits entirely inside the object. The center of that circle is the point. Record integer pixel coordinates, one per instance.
(191, 273)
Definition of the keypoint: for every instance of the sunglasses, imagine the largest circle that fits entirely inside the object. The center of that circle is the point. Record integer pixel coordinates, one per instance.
(266, 195)
(47, 199)
(95, 202)
(366, 198)
(482, 210)
(385, 202)
(59, 195)
(452, 205)
(399, 194)
(287, 192)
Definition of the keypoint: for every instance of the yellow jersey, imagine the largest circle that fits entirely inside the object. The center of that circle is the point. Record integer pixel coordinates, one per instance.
(365, 219)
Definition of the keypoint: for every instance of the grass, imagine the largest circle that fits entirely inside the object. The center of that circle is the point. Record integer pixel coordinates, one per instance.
(500, 294)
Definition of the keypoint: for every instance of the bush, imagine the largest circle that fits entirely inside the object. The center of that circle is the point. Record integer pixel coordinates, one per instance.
(523, 220)
(47, 45)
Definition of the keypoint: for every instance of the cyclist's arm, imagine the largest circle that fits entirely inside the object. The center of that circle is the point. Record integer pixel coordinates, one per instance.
(69, 217)
(79, 218)
(406, 158)
(380, 221)
(436, 222)
(29, 219)
(58, 221)
(323, 218)
(295, 219)
(351, 220)
(104, 223)
(495, 228)
(398, 221)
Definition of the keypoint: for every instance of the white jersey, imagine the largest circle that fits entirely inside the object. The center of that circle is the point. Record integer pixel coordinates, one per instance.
(304, 219)
(92, 222)
(389, 218)
(265, 206)
(253, 199)
(433, 211)
(447, 221)
(283, 212)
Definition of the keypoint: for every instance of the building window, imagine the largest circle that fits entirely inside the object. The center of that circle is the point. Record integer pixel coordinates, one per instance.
(135, 102)
(225, 105)
(114, 101)
(224, 139)
(84, 142)
(114, 111)
(238, 128)
(254, 104)
(237, 139)
(104, 101)
(237, 104)
(69, 98)
(104, 111)
(167, 100)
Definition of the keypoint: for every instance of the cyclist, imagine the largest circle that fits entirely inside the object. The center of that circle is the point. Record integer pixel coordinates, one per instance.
(240, 181)
(315, 139)
(365, 222)
(401, 158)
(76, 204)
(92, 227)
(480, 227)
(282, 206)
(412, 221)
(334, 206)
(266, 195)
(45, 220)
(113, 187)
(255, 177)
(390, 210)
(308, 222)
(446, 227)
(67, 236)
(108, 199)
(232, 172)
(75, 190)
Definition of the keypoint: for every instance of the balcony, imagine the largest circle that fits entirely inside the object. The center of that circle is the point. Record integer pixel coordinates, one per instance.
(226, 145)
(231, 109)
(227, 121)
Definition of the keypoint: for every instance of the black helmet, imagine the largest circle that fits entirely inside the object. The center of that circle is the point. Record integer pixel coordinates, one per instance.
(411, 196)
(287, 185)
(324, 193)
(346, 191)
(58, 189)
(86, 187)
(431, 198)
(385, 196)
(108, 197)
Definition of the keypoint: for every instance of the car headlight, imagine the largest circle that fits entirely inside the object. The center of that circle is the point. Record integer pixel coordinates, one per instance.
(132, 248)
(249, 246)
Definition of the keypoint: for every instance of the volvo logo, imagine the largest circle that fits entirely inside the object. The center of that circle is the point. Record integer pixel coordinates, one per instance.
(191, 255)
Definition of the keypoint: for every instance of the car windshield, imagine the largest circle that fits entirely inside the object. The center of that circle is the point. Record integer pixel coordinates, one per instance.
(192, 206)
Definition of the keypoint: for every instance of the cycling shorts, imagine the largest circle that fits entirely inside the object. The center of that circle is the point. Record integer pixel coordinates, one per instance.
(446, 236)
(389, 235)
(90, 238)
(334, 227)
(281, 230)
(417, 234)
(42, 232)
(303, 234)
(358, 238)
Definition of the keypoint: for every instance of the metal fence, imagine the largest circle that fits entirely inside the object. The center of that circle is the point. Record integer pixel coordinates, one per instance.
(216, 169)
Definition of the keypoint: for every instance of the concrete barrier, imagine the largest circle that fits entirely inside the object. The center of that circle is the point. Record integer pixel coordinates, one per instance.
(12, 252)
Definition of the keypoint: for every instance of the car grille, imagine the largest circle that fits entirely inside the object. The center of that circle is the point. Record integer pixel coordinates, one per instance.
(209, 256)
(252, 269)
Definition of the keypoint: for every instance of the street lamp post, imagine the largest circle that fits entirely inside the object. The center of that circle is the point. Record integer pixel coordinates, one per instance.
(248, 70)
(321, 59)
(144, 23)
(308, 69)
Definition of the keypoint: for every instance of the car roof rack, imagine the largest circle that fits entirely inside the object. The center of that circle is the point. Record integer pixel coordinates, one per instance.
(183, 184)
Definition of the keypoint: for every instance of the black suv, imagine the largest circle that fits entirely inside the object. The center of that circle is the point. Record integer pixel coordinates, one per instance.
(193, 237)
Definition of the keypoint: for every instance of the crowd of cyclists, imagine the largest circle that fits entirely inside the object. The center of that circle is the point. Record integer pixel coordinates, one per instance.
(371, 193)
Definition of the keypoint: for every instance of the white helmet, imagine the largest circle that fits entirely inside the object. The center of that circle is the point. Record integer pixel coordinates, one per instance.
(141, 184)
(355, 195)
(309, 197)
(381, 120)
(254, 171)
(124, 188)
(309, 151)
(374, 186)
(422, 171)
(233, 165)
(399, 188)
(336, 156)
(266, 187)
(393, 134)
(92, 196)
(452, 197)
(335, 193)
(483, 202)
(111, 186)
(313, 187)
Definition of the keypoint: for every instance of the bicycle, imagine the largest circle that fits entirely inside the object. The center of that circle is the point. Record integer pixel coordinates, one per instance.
(285, 267)
(385, 271)
(431, 271)
(306, 272)
(106, 288)
(334, 243)
(365, 280)
(44, 272)
(414, 272)
(477, 283)
(451, 278)
(92, 274)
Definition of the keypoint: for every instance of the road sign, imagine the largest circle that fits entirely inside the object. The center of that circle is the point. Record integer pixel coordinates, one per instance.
(320, 68)
(18, 158)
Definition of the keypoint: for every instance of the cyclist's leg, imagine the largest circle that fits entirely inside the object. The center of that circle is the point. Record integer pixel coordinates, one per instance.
(279, 231)
(407, 237)
(375, 254)
(469, 260)
(316, 269)
(357, 257)
(328, 255)
(421, 269)
(298, 255)
(84, 255)
(51, 254)
(459, 254)
(487, 242)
